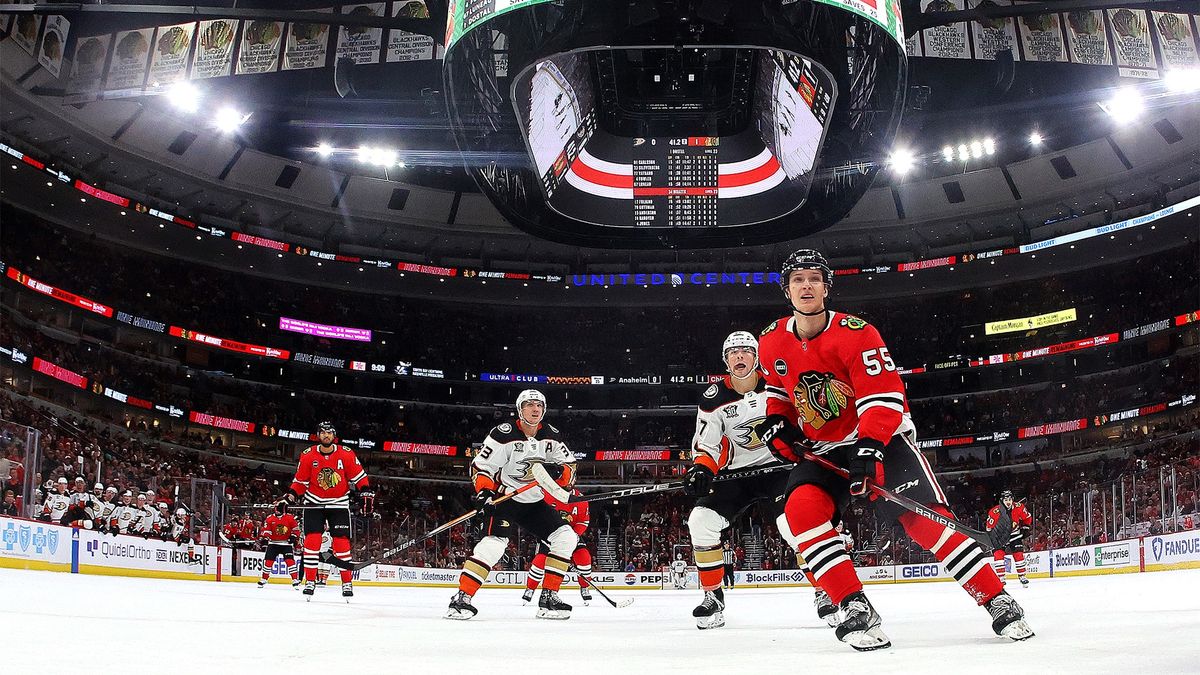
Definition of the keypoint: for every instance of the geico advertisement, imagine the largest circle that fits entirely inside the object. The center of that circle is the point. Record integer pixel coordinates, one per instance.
(918, 572)
(1173, 548)
(34, 541)
(146, 554)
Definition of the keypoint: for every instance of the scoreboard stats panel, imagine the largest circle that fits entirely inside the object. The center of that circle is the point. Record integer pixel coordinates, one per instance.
(675, 181)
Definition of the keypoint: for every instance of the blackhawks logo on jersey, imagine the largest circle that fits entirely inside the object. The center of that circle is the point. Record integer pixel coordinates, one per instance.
(820, 397)
(327, 478)
(853, 322)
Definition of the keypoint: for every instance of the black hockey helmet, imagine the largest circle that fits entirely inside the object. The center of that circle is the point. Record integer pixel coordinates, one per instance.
(327, 426)
(806, 259)
(1007, 494)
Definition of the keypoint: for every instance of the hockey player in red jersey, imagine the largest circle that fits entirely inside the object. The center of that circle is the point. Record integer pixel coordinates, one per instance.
(1009, 524)
(833, 389)
(575, 515)
(279, 536)
(323, 479)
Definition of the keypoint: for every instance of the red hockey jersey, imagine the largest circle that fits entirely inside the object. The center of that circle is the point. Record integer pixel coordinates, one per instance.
(325, 479)
(1020, 517)
(577, 512)
(278, 528)
(838, 385)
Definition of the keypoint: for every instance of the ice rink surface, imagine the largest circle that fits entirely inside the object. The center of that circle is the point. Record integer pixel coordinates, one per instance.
(1147, 623)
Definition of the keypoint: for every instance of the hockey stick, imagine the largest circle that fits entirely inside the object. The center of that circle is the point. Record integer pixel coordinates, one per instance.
(329, 558)
(908, 504)
(677, 485)
(272, 506)
(625, 602)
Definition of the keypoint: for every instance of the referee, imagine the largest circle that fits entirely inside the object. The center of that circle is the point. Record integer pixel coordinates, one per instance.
(728, 556)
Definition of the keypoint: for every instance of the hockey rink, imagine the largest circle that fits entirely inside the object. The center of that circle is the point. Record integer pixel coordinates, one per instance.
(1145, 623)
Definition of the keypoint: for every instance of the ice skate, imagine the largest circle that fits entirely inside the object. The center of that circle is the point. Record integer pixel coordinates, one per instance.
(1008, 619)
(310, 587)
(860, 624)
(262, 582)
(586, 594)
(527, 596)
(550, 606)
(1024, 582)
(295, 583)
(347, 590)
(710, 613)
(826, 610)
(461, 608)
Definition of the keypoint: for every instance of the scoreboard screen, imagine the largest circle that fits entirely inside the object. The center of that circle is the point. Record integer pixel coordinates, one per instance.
(758, 174)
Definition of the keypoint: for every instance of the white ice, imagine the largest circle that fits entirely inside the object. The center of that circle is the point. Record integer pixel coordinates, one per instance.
(1147, 623)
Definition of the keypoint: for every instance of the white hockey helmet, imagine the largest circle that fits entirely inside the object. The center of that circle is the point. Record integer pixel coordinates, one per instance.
(739, 339)
(180, 511)
(110, 489)
(98, 486)
(530, 395)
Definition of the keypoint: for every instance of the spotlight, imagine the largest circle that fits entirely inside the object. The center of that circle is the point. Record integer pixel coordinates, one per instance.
(963, 153)
(364, 154)
(324, 149)
(976, 149)
(229, 120)
(1182, 80)
(902, 161)
(948, 153)
(1124, 106)
(989, 146)
(1035, 138)
(185, 96)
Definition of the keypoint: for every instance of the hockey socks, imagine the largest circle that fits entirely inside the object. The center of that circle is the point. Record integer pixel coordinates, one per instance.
(998, 563)
(582, 560)
(962, 557)
(312, 549)
(1019, 562)
(537, 570)
(474, 573)
(806, 525)
(341, 550)
(710, 562)
(556, 569)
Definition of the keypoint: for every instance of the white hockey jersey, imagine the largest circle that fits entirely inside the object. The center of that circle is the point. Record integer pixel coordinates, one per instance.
(145, 520)
(56, 506)
(725, 421)
(102, 510)
(508, 457)
(123, 517)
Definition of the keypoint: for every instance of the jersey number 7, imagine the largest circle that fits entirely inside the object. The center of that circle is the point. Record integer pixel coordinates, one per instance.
(872, 357)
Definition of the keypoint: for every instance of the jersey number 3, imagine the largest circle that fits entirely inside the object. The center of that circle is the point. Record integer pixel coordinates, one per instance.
(872, 358)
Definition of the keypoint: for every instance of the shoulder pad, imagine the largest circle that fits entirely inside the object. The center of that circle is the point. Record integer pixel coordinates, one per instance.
(770, 327)
(716, 396)
(852, 322)
(712, 391)
(504, 428)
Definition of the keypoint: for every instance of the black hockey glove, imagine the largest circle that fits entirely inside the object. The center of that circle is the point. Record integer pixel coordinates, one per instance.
(1026, 531)
(555, 471)
(368, 502)
(866, 464)
(697, 482)
(483, 501)
(782, 436)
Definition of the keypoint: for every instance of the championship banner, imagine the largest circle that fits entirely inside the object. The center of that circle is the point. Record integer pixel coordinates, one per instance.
(361, 44)
(1030, 322)
(25, 32)
(127, 70)
(259, 50)
(945, 42)
(307, 45)
(993, 35)
(1131, 39)
(1087, 38)
(405, 46)
(912, 45)
(1176, 40)
(87, 69)
(214, 49)
(54, 42)
(1042, 38)
(169, 59)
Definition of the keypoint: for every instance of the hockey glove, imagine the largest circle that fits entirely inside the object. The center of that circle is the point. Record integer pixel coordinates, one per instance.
(698, 480)
(782, 436)
(1026, 531)
(555, 471)
(483, 501)
(866, 465)
(368, 502)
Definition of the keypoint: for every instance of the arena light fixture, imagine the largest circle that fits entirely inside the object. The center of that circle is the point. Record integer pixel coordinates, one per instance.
(964, 153)
(1124, 106)
(1035, 139)
(902, 161)
(948, 153)
(324, 150)
(184, 96)
(1182, 80)
(229, 120)
(989, 146)
(976, 149)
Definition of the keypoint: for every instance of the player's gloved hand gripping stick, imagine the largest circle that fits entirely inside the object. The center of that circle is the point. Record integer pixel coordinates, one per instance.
(679, 484)
(330, 559)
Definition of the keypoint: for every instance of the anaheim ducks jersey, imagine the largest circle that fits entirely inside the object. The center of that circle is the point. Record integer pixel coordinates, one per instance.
(838, 385)
(508, 456)
(325, 478)
(102, 510)
(56, 505)
(725, 421)
(123, 517)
